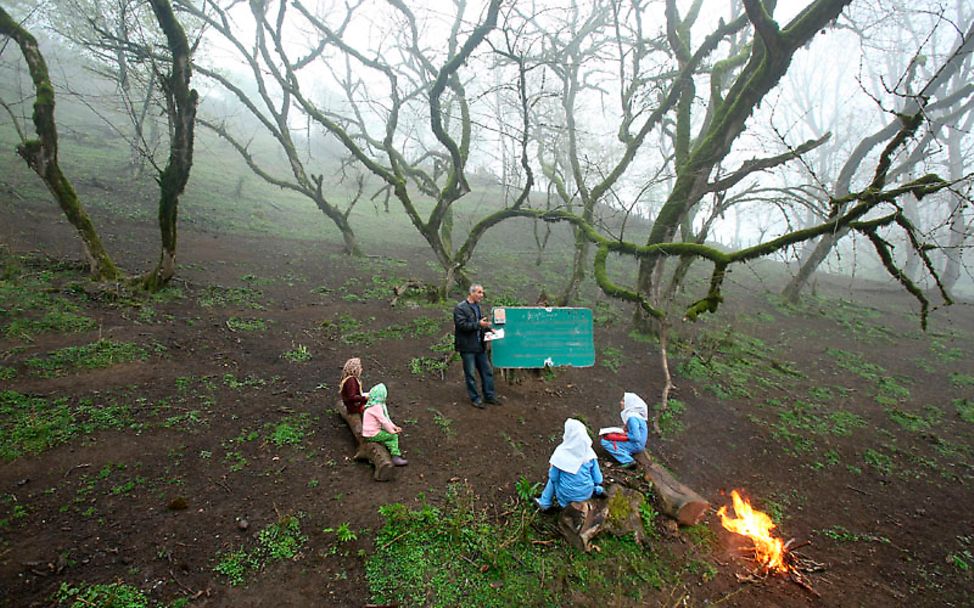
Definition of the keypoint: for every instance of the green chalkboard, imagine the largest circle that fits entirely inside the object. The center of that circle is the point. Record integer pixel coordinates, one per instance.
(536, 336)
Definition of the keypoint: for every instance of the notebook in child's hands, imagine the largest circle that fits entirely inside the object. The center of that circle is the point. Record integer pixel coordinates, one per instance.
(611, 429)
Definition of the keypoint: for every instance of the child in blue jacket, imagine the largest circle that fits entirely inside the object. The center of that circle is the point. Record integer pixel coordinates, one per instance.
(634, 415)
(574, 474)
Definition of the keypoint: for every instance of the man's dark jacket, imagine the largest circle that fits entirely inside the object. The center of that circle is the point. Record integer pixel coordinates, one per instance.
(468, 336)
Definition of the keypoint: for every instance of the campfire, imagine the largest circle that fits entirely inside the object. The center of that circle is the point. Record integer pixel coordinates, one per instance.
(772, 554)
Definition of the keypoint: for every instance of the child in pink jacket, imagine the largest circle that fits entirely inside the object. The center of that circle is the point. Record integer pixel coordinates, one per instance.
(377, 427)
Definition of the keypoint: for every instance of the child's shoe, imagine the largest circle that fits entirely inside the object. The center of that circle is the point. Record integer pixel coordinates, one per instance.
(399, 461)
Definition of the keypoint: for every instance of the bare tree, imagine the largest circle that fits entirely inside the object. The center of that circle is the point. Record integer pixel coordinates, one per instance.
(945, 98)
(41, 154)
(268, 98)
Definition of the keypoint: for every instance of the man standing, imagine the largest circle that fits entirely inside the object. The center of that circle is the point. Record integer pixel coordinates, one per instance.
(470, 325)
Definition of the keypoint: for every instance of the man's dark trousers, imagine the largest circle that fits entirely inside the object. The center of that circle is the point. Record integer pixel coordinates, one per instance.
(477, 362)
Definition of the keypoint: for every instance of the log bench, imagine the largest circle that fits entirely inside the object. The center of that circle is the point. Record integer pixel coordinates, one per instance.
(676, 500)
(370, 451)
(616, 513)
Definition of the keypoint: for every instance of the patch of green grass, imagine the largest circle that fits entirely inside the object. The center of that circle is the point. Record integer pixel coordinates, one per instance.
(57, 319)
(236, 460)
(612, 358)
(669, 422)
(801, 424)
(278, 541)
(842, 535)
(916, 422)
(962, 560)
(30, 425)
(215, 296)
(7, 373)
(945, 353)
(100, 595)
(421, 366)
(103, 353)
(417, 328)
(241, 324)
(234, 565)
(961, 380)
(889, 391)
(299, 354)
(880, 461)
(343, 533)
(457, 556)
(854, 317)
(965, 409)
(637, 336)
(734, 365)
(231, 381)
(128, 486)
(291, 430)
(442, 422)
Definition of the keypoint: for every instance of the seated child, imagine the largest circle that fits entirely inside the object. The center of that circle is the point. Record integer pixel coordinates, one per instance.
(350, 386)
(376, 425)
(574, 474)
(634, 415)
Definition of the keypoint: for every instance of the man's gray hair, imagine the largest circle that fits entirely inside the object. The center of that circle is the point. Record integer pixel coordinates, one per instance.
(474, 287)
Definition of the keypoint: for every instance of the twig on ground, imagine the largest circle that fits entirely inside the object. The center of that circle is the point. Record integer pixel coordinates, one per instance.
(77, 466)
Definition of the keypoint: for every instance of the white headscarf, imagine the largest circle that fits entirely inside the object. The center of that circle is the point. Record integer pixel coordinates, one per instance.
(633, 405)
(575, 448)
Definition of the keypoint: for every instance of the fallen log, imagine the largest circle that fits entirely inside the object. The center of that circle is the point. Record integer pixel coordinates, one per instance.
(676, 500)
(616, 513)
(370, 451)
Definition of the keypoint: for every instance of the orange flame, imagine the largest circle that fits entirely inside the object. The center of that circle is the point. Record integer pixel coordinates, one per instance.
(768, 550)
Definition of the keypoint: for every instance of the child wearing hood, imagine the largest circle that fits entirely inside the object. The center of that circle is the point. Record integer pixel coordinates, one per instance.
(377, 427)
(635, 415)
(574, 474)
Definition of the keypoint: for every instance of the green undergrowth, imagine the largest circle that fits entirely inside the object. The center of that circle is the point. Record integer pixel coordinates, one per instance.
(281, 540)
(457, 555)
(248, 325)
(105, 595)
(417, 328)
(30, 425)
(855, 318)
(807, 426)
(670, 422)
(216, 296)
(437, 364)
(965, 409)
(38, 296)
(291, 430)
(888, 390)
(733, 365)
(99, 354)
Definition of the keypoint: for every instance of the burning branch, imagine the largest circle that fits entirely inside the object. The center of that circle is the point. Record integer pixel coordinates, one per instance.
(772, 554)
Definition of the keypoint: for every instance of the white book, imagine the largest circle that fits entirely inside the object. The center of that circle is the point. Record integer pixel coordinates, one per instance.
(610, 429)
(497, 334)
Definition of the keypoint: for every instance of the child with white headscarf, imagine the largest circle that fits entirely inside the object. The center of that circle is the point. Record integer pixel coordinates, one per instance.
(634, 415)
(574, 474)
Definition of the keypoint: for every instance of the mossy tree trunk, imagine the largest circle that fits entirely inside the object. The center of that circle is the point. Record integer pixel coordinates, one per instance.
(770, 56)
(41, 154)
(181, 103)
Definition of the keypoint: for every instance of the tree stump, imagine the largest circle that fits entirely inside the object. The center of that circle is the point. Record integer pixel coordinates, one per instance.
(617, 513)
(676, 500)
(370, 451)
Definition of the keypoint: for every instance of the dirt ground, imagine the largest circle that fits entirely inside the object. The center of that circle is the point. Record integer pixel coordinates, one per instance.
(164, 534)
